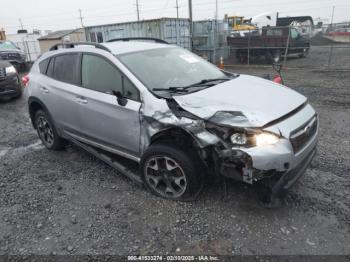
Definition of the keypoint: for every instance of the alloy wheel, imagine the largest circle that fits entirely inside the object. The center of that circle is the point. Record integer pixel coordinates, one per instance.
(165, 176)
(45, 131)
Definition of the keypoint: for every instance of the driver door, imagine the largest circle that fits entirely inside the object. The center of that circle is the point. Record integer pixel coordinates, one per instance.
(104, 121)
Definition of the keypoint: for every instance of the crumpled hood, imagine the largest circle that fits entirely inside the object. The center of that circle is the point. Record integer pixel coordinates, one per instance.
(245, 101)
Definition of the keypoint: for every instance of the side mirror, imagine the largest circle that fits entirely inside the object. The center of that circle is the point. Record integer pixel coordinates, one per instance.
(120, 98)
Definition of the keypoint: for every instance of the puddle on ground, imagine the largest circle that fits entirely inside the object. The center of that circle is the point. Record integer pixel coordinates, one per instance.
(22, 149)
(3, 151)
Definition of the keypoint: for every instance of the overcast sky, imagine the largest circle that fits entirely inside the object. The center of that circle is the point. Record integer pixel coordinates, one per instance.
(64, 14)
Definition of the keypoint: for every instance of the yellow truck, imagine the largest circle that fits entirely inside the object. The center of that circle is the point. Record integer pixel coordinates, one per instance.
(238, 23)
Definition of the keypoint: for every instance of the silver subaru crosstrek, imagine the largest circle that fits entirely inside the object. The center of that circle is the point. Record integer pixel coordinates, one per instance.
(180, 117)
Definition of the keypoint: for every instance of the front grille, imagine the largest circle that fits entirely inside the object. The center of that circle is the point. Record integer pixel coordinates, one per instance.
(2, 73)
(14, 55)
(3, 56)
(301, 136)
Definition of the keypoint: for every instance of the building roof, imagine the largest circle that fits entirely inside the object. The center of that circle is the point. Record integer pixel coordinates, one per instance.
(139, 22)
(57, 34)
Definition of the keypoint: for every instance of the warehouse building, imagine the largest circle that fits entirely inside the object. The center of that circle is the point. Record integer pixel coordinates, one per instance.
(62, 36)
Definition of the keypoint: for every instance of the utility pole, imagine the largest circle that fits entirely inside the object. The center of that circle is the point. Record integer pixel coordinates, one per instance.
(215, 31)
(332, 16)
(177, 9)
(138, 10)
(20, 22)
(331, 51)
(81, 18)
(177, 22)
(191, 21)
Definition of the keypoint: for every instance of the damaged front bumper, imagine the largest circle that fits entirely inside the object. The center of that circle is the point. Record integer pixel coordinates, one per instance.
(10, 86)
(278, 163)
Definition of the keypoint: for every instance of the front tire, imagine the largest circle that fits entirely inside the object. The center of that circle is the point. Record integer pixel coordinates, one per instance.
(47, 131)
(170, 172)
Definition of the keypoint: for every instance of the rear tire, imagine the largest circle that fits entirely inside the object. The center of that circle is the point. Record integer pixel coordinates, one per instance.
(171, 172)
(47, 131)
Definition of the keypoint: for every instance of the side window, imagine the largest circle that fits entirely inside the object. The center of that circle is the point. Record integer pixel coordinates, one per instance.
(66, 68)
(130, 91)
(49, 71)
(100, 75)
(294, 33)
(43, 65)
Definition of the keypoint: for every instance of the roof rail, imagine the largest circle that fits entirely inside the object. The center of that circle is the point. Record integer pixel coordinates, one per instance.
(72, 45)
(126, 39)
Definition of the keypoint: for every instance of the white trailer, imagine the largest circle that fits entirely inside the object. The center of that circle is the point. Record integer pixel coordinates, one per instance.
(28, 43)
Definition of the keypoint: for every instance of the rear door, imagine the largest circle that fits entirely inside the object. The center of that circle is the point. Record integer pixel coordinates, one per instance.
(103, 120)
(60, 90)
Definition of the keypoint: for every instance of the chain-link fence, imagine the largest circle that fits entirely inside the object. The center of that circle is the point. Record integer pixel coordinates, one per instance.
(31, 48)
(332, 56)
(287, 46)
(292, 46)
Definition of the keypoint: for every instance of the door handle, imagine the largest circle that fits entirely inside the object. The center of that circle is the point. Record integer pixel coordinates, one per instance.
(44, 90)
(81, 100)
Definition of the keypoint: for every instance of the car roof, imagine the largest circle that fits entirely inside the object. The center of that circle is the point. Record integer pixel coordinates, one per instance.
(123, 47)
(116, 48)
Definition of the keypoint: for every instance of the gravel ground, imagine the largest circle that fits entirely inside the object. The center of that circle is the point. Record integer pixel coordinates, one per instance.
(72, 203)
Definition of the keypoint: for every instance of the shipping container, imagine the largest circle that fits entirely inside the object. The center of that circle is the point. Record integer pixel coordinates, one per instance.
(174, 31)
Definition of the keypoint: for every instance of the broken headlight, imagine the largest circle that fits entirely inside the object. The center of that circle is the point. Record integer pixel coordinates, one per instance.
(265, 138)
(249, 139)
(239, 139)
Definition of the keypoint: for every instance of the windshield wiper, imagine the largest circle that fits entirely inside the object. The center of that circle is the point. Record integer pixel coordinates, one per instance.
(206, 81)
(203, 82)
(172, 89)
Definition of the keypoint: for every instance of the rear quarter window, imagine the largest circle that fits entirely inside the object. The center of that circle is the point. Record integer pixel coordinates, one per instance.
(66, 68)
(49, 71)
(43, 65)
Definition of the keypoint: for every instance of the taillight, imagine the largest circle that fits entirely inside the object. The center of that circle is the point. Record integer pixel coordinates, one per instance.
(277, 79)
(25, 80)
